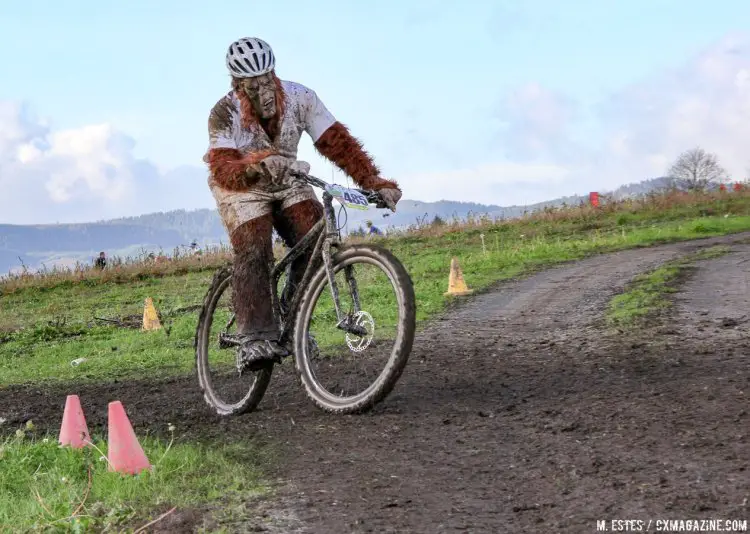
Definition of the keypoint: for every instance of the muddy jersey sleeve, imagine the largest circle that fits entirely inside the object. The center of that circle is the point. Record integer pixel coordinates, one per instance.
(316, 118)
(221, 125)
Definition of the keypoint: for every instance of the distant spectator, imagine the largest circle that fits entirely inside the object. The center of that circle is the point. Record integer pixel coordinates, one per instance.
(101, 261)
(195, 249)
(373, 229)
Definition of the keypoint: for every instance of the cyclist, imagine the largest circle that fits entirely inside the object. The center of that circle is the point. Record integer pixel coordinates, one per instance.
(254, 132)
(373, 230)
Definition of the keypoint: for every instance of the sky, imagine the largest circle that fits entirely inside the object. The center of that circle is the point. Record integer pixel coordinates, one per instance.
(104, 105)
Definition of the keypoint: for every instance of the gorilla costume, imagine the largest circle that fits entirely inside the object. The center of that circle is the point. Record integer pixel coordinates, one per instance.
(254, 132)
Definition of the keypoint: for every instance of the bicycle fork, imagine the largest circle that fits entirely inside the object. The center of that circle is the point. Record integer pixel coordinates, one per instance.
(345, 321)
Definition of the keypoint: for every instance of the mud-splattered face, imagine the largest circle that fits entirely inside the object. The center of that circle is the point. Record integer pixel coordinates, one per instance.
(261, 90)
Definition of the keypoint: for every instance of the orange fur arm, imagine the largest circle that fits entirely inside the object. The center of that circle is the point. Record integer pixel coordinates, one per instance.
(348, 154)
(228, 167)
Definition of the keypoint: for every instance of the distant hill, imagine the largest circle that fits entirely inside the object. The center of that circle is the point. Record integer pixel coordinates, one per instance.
(411, 210)
(49, 245)
(642, 188)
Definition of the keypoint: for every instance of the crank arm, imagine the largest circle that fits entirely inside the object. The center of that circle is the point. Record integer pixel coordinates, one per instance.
(346, 325)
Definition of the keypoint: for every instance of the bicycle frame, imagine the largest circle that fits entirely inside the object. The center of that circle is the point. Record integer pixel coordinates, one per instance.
(320, 238)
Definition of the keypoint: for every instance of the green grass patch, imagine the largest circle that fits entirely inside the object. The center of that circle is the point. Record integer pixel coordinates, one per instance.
(83, 303)
(49, 488)
(647, 295)
(42, 330)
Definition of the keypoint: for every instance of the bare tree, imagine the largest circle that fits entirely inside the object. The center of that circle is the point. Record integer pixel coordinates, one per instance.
(696, 169)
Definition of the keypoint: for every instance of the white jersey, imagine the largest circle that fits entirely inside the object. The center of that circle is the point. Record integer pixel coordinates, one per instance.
(303, 112)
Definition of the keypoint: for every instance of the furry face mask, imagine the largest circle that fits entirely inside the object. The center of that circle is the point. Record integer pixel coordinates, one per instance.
(261, 91)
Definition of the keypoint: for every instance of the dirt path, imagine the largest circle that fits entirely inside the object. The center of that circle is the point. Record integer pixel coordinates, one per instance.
(515, 414)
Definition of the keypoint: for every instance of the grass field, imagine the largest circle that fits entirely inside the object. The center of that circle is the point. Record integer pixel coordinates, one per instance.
(49, 320)
(45, 326)
(48, 488)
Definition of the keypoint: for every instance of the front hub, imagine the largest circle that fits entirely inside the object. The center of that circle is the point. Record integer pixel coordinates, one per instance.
(360, 331)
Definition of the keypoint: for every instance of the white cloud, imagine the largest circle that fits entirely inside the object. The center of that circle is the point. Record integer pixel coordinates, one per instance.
(639, 131)
(537, 122)
(538, 153)
(486, 183)
(83, 174)
(705, 102)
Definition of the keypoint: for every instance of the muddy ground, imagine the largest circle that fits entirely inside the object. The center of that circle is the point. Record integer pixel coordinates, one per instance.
(516, 413)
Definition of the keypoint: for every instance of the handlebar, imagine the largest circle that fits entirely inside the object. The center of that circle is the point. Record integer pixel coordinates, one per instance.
(372, 197)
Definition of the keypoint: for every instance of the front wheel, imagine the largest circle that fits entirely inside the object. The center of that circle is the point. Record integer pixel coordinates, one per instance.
(348, 368)
(226, 390)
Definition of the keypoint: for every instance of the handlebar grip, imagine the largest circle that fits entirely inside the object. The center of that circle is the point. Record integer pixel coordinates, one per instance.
(376, 198)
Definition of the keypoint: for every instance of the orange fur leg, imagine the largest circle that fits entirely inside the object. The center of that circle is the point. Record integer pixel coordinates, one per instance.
(292, 224)
(251, 289)
(295, 221)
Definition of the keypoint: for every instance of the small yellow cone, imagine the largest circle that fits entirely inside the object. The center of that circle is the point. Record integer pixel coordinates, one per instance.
(456, 284)
(150, 317)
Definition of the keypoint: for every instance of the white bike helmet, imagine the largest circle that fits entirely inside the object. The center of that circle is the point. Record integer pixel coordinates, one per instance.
(249, 57)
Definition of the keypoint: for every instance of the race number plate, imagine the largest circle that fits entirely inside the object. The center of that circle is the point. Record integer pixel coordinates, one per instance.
(348, 197)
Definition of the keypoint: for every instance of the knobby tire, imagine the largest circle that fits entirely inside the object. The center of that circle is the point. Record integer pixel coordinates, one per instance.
(222, 280)
(404, 288)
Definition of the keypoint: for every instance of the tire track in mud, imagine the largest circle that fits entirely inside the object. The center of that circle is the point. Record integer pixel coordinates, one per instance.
(717, 298)
(516, 413)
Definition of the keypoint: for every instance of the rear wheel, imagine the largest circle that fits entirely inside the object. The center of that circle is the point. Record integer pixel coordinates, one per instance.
(226, 390)
(351, 371)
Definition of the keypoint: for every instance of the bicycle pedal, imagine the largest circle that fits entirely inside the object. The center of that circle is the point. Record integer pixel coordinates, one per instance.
(260, 365)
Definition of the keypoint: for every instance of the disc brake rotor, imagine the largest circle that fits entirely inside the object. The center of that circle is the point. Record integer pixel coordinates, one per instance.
(360, 343)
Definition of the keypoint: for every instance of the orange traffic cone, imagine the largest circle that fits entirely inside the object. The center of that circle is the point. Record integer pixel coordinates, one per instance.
(150, 316)
(125, 454)
(456, 284)
(73, 430)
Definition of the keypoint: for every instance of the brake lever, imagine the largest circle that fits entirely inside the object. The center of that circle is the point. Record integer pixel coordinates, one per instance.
(298, 177)
(377, 199)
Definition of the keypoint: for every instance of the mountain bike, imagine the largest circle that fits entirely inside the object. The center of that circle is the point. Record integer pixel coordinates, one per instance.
(324, 322)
